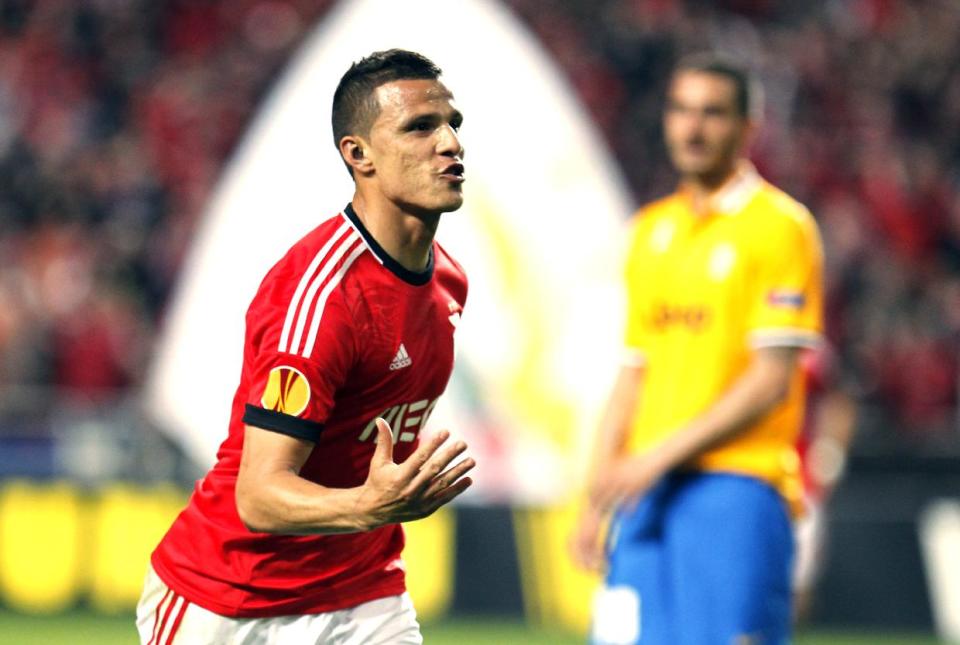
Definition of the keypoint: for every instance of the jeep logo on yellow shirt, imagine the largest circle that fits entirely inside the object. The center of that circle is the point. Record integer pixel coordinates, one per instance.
(694, 317)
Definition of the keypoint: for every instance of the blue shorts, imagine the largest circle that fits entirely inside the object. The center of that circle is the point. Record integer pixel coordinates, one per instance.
(703, 559)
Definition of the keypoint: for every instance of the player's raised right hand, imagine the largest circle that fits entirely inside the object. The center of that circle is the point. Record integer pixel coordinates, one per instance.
(417, 487)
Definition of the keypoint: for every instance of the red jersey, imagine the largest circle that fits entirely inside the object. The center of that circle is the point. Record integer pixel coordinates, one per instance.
(338, 334)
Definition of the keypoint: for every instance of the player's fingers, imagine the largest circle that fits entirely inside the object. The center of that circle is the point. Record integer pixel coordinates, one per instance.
(630, 503)
(592, 553)
(586, 542)
(605, 495)
(579, 552)
(607, 492)
(598, 492)
(449, 476)
(450, 493)
(383, 453)
(590, 558)
(433, 467)
(415, 462)
(428, 507)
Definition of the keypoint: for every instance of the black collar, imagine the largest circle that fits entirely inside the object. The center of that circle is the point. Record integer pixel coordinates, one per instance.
(411, 277)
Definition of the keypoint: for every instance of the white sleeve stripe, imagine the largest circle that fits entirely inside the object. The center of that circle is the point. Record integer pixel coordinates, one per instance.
(322, 301)
(785, 337)
(305, 308)
(301, 287)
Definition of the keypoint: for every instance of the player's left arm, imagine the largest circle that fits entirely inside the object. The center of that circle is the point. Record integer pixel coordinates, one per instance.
(762, 387)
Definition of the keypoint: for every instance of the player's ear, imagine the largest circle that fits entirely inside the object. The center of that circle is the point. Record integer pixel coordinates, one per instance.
(354, 150)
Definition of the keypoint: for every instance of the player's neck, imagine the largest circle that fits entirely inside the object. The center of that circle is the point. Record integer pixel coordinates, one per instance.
(406, 237)
(703, 187)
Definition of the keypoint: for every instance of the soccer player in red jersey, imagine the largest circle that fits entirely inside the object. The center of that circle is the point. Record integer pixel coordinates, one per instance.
(294, 535)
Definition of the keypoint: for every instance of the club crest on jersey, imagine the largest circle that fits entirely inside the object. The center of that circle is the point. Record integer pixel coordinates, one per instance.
(287, 391)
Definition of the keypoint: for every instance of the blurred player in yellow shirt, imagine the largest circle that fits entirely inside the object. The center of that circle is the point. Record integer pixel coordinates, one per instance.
(696, 454)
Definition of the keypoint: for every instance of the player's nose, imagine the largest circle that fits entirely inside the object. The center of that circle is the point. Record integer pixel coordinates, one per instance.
(449, 144)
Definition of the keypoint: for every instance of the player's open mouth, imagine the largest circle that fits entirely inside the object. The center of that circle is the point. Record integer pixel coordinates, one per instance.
(454, 173)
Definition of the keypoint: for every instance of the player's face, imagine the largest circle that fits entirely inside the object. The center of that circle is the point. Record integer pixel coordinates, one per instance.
(414, 146)
(704, 130)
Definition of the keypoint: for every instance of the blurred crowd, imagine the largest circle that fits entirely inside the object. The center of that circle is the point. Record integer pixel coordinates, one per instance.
(116, 117)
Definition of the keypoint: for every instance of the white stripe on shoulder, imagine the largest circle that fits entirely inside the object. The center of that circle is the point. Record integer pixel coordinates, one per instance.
(785, 337)
(302, 286)
(349, 240)
(322, 300)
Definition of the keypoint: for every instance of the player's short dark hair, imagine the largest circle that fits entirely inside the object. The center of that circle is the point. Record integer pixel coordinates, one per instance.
(747, 94)
(355, 107)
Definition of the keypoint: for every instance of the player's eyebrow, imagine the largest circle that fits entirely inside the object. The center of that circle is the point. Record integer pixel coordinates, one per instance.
(423, 116)
(712, 108)
(455, 118)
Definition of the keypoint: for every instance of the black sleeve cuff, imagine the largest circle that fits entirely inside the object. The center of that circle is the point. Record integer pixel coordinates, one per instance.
(282, 423)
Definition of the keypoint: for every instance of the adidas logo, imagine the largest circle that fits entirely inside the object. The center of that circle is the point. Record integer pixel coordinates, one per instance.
(402, 359)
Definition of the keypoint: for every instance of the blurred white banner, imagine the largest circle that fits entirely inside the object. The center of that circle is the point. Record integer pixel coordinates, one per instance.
(939, 528)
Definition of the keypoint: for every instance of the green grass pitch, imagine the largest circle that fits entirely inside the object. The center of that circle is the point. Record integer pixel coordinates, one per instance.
(87, 628)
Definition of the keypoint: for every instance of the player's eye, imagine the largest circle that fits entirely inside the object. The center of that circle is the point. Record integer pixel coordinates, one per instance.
(716, 111)
(421, 126)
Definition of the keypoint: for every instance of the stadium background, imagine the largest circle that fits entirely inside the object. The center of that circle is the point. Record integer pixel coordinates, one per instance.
(117, 118)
